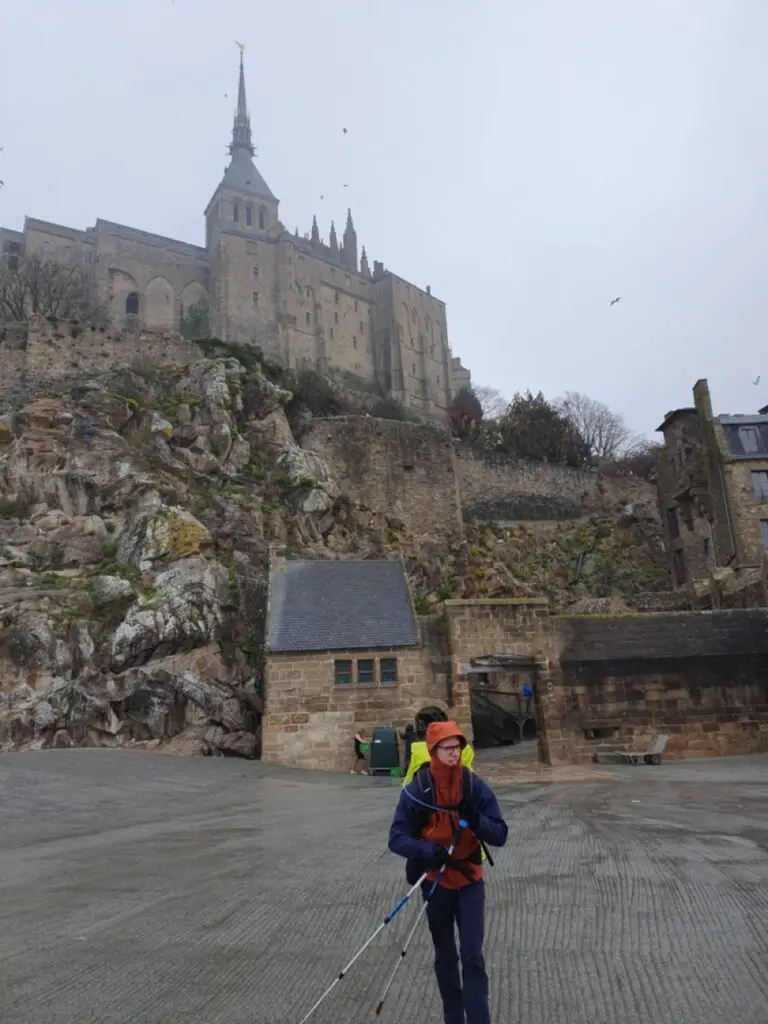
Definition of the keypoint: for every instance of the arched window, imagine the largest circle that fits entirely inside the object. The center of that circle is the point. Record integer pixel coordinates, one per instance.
(132, 304)
(248, 218)
(262, 218)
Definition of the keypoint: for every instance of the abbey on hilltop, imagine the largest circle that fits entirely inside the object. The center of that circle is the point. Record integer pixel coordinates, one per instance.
(304, 301)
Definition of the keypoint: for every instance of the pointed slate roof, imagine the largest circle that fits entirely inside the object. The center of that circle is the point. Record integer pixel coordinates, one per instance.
(337, 605)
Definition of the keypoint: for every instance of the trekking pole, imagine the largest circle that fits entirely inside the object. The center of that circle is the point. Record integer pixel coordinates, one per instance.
(395, 910)
(412, 932)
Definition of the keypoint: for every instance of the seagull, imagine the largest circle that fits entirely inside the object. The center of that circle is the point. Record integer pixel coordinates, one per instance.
(617, 299)
(344, 130)
(758, 380)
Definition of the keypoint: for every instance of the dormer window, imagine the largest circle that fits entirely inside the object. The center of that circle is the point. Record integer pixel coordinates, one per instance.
(235, 212)
(262, 218)
(248, 216)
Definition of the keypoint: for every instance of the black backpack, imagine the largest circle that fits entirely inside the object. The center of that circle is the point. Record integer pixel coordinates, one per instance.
(415, 866)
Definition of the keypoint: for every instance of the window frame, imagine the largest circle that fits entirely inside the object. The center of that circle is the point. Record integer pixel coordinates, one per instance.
(368, 662)
(761, 494)
(338, 672)
(388, 662)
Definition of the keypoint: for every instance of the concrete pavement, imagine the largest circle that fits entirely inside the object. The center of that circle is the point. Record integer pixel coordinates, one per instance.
(139, 888)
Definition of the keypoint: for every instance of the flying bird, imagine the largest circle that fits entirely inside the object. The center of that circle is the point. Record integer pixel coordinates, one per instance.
(617, 299)
(344, 130)
(758, 380)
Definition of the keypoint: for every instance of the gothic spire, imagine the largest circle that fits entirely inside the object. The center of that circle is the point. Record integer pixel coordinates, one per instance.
(241, 129)
(349, 250)
(315, 231)
(334, 242)
(242, 175)
(365, 270)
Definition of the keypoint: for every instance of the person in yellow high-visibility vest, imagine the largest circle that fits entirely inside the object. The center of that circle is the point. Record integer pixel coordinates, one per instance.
(419, 753)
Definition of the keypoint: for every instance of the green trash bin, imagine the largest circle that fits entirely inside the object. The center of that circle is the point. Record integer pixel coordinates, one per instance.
(384, 757)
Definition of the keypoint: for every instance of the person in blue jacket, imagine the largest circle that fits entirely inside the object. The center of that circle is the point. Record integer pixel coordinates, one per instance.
(425, 825)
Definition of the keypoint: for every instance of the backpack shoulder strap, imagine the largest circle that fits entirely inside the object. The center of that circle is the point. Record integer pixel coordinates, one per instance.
(467, 785)
(424, 780)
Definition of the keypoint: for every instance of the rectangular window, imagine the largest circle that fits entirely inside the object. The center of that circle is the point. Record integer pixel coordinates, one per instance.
(706, 547)
(248, 216)
(354, 341)
(750, 439)
(760, 484)
(366, 673)
(331, 333)
(362, 327)
(255, 272)
(336, 298)
(255, 298)
(342, 672)
(388, 671)
(355, 305)
(307, 318)
(672, 522)
(335, 318)
(235, 212)
(678, 566)
(764, 532)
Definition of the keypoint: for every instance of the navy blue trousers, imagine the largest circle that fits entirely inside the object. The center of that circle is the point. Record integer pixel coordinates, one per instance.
(465, 996)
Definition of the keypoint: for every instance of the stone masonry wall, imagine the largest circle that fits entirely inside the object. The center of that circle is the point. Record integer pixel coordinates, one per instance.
(495, 486)
(700, 677)
(404, 470)
(310, 722)
(45, 355)
(707, 706)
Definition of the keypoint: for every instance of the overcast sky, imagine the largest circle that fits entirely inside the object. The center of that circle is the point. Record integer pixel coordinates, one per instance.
(529, 159)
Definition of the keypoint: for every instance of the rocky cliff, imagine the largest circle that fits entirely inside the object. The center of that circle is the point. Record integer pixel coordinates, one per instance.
(136, 513)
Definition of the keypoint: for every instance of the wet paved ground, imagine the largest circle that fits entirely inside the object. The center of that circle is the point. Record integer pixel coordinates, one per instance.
(143, 889)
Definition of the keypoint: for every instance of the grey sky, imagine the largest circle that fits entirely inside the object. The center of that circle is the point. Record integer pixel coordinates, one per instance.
(528, 160)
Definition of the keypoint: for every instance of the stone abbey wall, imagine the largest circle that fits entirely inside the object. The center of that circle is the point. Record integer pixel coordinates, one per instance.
(49, 355)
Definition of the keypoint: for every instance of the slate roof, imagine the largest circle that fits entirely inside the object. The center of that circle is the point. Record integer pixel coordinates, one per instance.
(339, 605)
(242, 176)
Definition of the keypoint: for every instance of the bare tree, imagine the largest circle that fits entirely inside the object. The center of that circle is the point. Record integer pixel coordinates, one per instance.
(606, 432)
(37, 284)
(492, 402)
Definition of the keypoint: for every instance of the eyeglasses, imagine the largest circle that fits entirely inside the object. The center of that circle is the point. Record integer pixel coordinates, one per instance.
(454, 748)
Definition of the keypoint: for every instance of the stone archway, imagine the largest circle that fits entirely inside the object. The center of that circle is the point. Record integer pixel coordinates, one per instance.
(195, 314)
(159, 309)
(123, 297)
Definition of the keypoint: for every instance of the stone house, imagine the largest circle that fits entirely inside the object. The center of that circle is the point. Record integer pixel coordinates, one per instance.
(306, 302)
(713, 495)
(343, 652)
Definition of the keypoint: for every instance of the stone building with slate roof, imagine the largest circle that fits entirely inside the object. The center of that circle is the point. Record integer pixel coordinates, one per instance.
(343, 652)
(307, 303)
(713, 493)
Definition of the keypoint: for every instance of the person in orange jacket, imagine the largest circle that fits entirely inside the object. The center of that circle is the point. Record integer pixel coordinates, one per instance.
(419, 755)
(424, 833)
